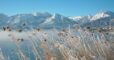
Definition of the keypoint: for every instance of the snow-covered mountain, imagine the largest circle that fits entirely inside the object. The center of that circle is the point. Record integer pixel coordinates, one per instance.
(35, 20)
(47, 20)
(102, 19)
(100, 15)
(28, 20)
(81, 19)
(57, 21)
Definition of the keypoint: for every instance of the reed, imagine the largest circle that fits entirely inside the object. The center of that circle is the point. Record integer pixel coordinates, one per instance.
(64, 45)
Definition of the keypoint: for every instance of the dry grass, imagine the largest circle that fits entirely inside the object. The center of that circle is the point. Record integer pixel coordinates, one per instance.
(66, 46)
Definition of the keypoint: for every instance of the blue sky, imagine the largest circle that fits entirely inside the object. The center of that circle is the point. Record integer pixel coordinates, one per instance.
(64, 7)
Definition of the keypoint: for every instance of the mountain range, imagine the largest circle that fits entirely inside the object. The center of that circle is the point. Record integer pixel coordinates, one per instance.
(47, 20)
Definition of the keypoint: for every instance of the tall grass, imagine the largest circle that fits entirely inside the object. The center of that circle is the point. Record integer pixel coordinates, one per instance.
(64, 45)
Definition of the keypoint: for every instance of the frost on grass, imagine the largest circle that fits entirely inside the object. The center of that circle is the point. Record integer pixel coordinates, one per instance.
(74, 44)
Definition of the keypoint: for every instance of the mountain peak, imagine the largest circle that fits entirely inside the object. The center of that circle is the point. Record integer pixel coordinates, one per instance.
(109, 13)
(56, 15)
(102, 15)
(41, 14)
(76, 17)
